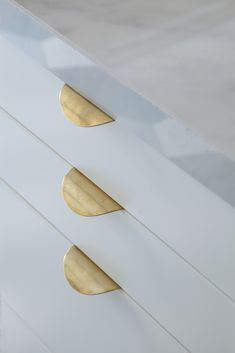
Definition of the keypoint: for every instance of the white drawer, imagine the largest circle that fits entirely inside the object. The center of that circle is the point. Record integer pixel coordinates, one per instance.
(16, 336)
(177, 296)
(32, 280)
(193, 221)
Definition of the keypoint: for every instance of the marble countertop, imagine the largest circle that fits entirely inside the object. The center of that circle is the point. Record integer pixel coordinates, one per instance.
(178, 54)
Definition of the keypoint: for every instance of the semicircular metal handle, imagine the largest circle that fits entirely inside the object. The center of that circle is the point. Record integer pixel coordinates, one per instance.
(86, 198)
(80, 110)
(84, 275)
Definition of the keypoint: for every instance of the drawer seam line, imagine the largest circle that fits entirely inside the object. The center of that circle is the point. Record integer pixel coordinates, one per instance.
(158, 322)
(26, 325)
(64, 236)
(39, 140)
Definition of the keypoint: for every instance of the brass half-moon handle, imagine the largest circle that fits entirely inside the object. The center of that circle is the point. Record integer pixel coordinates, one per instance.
(84, 197)
(79, 110)
(84, 275)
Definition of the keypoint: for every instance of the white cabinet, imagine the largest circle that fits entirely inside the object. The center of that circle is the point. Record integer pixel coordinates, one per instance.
(154, 275)
(171, 248)
(189, 218)
(32, 280)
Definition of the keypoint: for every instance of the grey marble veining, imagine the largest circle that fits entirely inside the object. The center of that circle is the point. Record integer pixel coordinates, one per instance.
(178, 56)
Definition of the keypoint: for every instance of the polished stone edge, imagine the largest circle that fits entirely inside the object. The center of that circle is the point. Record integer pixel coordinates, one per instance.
(160, 131)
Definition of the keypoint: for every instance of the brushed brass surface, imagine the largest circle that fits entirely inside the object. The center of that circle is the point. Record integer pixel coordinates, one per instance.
(79, 110)
(84, 197)
(84, 275)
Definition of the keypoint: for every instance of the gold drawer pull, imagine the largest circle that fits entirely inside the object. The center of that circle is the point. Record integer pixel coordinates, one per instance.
(84, 197)
(84, 275)
(79, 110)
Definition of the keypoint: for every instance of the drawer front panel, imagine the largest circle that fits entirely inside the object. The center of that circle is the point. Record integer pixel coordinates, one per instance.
(162, 282)
(32, 279)
(184, 214)
(16, 336)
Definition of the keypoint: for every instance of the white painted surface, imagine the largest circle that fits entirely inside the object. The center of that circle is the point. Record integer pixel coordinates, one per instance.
(189, 218)
(32, 280)
(178, 297)
(16, 337)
